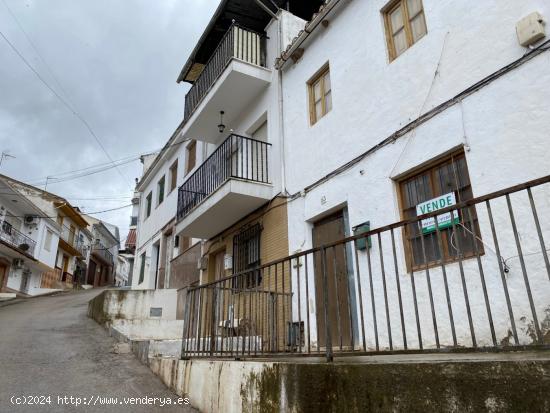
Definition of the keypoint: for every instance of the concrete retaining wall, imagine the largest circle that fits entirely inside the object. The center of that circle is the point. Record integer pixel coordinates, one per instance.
(113, 305)
(449, 383)
(153, 329)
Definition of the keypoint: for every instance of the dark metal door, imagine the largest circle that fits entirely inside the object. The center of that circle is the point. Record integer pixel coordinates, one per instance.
(326, 231)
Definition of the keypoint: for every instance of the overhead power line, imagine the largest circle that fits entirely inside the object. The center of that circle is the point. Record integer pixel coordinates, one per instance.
(65, 103)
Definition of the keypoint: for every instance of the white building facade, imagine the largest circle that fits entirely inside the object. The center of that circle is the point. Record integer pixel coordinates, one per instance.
(419, 99)
(349, 120)
(28, 242)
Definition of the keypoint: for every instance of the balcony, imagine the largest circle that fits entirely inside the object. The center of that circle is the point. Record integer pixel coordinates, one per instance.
(102, 252)
(232, 182)
(71, 243)
(236, 68)
(16, 239)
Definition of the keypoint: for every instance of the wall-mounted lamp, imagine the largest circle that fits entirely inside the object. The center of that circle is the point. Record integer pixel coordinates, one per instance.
(221, 126)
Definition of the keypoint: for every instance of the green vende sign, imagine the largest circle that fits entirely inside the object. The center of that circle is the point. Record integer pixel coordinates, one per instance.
(444, 220)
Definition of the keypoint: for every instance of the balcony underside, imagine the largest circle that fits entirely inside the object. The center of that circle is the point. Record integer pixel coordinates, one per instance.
(69, 248)
(231, 202)
(233, 92)
(11, 252)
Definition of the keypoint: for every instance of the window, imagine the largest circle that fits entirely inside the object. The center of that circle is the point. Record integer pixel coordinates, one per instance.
(174, 175)
(320, 95)
(160, 190)
(141, 268)
(405, 25)
(447, 177)
(148, 202)
(191, 156)
(48, 240)
(7, 227)
(246, 255)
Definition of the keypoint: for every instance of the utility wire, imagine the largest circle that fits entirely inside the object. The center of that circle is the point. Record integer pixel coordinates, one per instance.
(83, 212)
(64, 102)
(46, 65)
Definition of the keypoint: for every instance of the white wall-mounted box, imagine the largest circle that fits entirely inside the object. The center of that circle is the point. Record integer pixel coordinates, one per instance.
(530, 29)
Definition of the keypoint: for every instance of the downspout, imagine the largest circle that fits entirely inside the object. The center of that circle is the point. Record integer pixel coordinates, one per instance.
(281, 113)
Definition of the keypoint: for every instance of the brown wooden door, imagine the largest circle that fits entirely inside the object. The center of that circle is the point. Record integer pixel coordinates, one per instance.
(3, 273)
(92, 269)
(326, 231)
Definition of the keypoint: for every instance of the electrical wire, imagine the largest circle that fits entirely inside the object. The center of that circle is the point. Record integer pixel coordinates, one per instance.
(83, 212)
(65, 103)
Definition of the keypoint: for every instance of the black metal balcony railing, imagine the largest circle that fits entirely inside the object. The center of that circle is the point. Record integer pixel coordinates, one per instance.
(237, 157)
(17, 239)
(237, 43)
(358, 295)
(103, 252)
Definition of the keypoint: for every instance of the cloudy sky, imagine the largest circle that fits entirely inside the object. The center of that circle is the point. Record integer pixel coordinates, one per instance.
(116, 63)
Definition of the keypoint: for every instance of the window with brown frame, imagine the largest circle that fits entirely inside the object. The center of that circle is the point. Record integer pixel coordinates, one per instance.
(174, 175)
(320, 95)
(246, 256)
(405, 25)
(191, 156)
(422, 245)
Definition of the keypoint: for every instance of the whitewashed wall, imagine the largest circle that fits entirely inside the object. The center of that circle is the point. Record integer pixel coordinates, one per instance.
(503, 128)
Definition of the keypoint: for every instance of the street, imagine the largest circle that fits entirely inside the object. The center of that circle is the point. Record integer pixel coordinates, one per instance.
(49, 347)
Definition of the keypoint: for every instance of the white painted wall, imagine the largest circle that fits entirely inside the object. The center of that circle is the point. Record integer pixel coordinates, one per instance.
(149, 228)
(504, 128)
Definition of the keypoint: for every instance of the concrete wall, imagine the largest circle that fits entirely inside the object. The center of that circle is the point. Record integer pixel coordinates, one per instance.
(421, 384)
(113, 305)
(149, 329)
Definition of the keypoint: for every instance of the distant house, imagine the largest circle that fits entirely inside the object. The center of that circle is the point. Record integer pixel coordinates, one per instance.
(45, 240)
(103, 254)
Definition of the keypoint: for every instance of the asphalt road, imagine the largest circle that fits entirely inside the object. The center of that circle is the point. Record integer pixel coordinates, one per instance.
(49, 347)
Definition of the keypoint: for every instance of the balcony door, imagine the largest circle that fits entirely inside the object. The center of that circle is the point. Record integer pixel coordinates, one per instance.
(326, 231)
(249, 156)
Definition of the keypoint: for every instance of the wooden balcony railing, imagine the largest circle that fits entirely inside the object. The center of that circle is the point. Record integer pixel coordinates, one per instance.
(237, 157)
(237, 43)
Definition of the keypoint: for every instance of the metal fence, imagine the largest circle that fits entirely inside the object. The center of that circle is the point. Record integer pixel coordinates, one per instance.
(237, 157)
(16, 238)
(237, 43)
(377, 293)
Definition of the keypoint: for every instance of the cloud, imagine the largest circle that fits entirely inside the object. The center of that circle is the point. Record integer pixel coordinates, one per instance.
(118, 61)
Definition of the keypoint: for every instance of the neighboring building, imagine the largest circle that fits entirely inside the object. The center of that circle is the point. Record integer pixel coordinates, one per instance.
(129, 250)
(157, 242)
(221, 171)
(104, 253)
(28, 242)
(123, 268)
(69, 243)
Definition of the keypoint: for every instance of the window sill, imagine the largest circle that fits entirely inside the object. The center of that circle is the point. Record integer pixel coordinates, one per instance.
(438, 264)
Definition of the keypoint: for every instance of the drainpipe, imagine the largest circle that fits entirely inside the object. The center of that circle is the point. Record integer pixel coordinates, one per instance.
(281, 113)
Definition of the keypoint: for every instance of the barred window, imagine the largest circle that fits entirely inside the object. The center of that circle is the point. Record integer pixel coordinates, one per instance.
(448, 179)
(246, 256)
